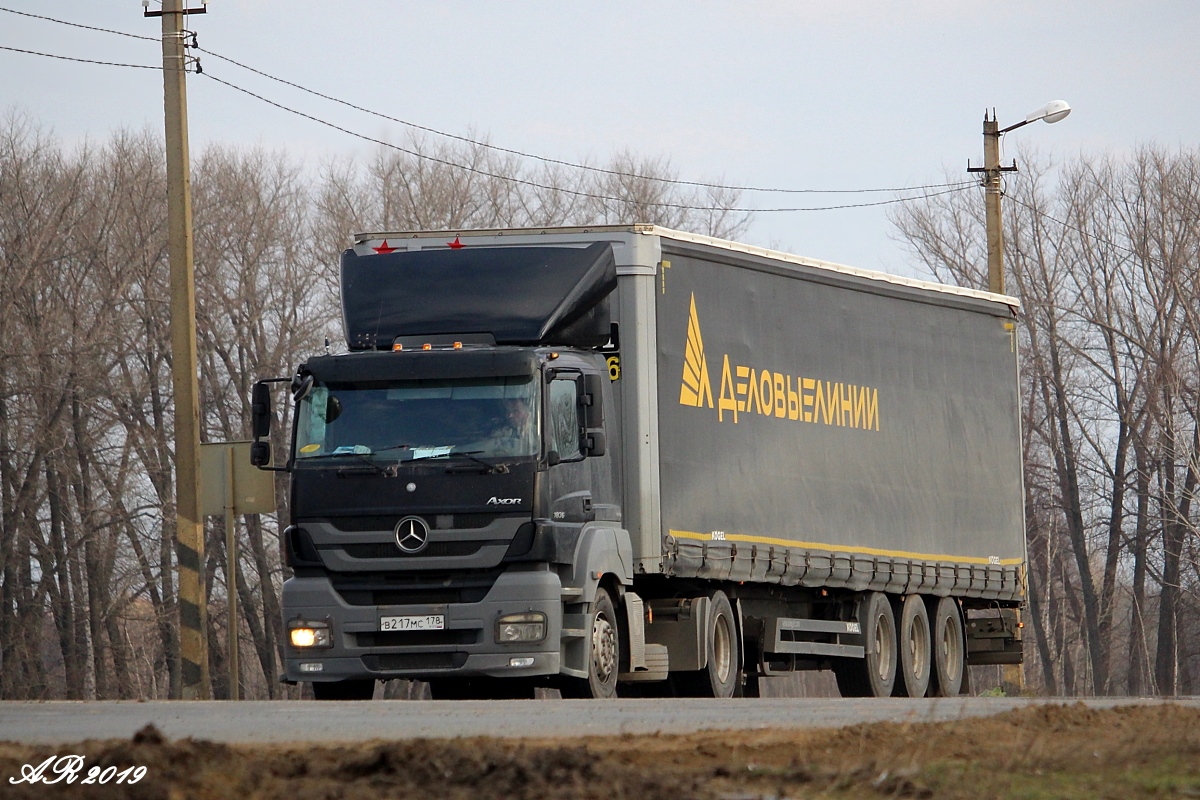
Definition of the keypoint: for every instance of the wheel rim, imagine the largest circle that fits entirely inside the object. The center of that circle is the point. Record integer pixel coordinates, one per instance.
(918, 648)
(951, 663)
(722, 649)
(884, 639)
(604, 648)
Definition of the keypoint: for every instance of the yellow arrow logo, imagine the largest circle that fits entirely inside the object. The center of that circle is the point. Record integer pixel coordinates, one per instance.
(696, 389)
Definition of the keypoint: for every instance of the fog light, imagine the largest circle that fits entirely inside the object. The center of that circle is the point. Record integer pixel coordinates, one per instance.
(521, 661)
(306, 635)
(527, 627)
(312, 666)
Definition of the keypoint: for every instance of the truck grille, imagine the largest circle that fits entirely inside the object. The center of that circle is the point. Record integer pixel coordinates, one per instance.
(434, 589)
(387, 523)
(416, 638)
(432, 550)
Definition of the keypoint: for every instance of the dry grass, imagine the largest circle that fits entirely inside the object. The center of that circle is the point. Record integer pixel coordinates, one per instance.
(1040, 752)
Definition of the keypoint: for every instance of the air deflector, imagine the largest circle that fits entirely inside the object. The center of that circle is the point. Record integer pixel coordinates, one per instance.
(518, 295)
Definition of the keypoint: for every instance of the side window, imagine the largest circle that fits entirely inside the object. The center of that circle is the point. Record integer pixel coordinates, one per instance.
(563, 419)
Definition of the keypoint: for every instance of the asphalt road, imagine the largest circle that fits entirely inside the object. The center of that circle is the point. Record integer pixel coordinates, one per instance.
(311, 721)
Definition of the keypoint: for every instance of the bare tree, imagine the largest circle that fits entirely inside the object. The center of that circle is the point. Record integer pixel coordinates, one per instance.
(87, 564)
(1102, 254)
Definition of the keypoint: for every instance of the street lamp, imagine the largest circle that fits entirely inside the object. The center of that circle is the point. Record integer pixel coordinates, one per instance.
(1053, 111)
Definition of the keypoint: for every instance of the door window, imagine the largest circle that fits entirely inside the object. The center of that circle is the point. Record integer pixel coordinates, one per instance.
(563, 419)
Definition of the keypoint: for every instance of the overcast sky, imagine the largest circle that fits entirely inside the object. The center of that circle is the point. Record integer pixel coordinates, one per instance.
(794, 94)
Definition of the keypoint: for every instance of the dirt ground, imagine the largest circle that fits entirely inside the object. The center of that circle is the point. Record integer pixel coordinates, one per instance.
(1064, 751)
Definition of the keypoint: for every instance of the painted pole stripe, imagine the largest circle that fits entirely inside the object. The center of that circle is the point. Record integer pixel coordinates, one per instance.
(834, 548)
(188, 557)
(192, 675)
(189, 614)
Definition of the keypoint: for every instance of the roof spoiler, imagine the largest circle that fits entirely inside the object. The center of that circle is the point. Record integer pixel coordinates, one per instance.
(517, 295)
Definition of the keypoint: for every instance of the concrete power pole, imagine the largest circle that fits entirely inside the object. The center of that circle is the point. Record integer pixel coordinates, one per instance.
(193, 614)
(992, 170)
(1054, 111)
(995, 220)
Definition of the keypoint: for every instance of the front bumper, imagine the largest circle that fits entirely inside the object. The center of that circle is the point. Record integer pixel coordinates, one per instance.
(467, 646)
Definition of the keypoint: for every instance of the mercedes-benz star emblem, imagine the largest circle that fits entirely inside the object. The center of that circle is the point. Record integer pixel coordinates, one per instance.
(412, 534)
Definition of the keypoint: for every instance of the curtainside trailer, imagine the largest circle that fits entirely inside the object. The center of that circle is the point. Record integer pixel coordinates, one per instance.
(630, 460)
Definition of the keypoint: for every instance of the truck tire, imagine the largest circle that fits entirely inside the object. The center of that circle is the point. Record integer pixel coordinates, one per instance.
(949, 648)
(875, 674)
(722, 677)
(604, 653)
(357, 689)
(915, 650)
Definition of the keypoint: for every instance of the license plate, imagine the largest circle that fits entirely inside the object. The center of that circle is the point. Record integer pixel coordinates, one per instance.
(430, 622)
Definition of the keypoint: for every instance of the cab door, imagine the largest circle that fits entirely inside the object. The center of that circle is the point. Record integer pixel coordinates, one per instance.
(569, 478)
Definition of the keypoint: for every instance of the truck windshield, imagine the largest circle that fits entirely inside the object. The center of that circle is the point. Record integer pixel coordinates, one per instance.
(420, 419)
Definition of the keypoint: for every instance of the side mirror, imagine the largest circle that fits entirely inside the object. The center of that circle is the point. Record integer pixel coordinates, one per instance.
(593, 400)
(595, 442)
(593, 414)
(301, 387)
(260, 410)
(260, 454)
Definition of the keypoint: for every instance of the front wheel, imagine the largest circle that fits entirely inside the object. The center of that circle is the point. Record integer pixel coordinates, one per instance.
(357, 689)
(604, 653)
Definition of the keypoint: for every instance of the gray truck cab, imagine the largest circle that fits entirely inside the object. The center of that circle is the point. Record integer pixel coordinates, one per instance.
(455, 509)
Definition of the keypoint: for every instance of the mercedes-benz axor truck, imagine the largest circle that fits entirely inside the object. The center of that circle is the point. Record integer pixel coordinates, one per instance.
(633, 461)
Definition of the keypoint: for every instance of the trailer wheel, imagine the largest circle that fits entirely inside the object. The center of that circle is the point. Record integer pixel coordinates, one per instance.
(949, 650)
(604, 658)
(915, 652)
(875, 674)
(357, 689)
(722, 677)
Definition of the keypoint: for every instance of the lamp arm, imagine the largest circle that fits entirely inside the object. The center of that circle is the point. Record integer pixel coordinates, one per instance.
(1020, 124)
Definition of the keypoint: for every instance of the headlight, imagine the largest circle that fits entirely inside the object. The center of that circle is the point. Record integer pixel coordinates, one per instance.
(306, 635)
(527, 627)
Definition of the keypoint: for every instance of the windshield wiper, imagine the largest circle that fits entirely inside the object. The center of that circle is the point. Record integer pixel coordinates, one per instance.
(389, 471)
(493, 469)
(499, 469)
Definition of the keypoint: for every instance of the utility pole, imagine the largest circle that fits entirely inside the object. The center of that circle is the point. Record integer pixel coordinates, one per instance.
(1052, 112)
(235, 673)
(992, 193)
(189, 531)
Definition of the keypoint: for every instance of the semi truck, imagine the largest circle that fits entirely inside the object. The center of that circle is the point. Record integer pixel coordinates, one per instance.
(627, 460)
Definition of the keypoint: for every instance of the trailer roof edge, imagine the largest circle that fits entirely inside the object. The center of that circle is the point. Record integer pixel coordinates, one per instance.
(710, 241)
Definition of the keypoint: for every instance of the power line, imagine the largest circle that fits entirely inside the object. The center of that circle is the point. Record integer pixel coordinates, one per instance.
(510, 178)
(559, 162)
(575, 192)
(521, 153)
(77, 25)
(1075, 228)
(80, 60)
